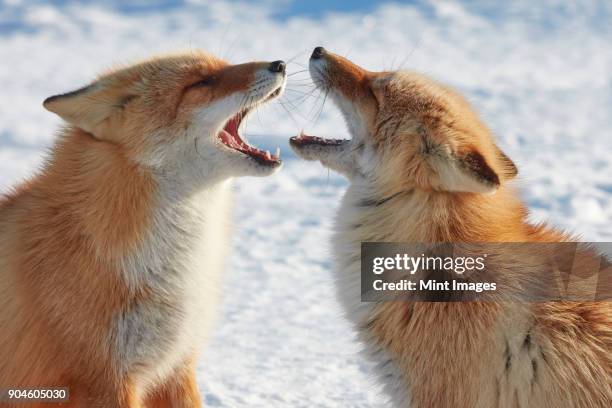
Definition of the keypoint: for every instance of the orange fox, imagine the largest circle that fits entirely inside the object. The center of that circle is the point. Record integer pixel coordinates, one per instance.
(110, 257)
(423, 168)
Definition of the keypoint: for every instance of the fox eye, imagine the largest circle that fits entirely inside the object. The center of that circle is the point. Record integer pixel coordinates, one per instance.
(206, 81)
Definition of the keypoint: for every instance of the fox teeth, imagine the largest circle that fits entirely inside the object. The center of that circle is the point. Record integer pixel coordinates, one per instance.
(268, 155)
(277, 153)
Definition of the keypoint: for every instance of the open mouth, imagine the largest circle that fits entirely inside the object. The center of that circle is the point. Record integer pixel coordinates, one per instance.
(230, 137)
(305, 140)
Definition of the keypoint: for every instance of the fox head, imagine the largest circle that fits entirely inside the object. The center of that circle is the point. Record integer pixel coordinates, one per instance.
(408, 131)
(179, 114)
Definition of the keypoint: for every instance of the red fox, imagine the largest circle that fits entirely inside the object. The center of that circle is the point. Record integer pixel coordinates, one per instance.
(422, 167)
(110, 257)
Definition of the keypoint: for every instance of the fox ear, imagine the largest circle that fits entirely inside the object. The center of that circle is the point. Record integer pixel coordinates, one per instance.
(467, 171)
(88, 108)
(509, 168)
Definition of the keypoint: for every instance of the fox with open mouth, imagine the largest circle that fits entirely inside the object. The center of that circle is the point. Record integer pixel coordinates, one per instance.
(423, 168)
(110, 257)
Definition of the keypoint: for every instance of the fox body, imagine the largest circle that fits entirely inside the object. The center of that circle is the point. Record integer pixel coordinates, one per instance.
(423, 168)
(110, 257)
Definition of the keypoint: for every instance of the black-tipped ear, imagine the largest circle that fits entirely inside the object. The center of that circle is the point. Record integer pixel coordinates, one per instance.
(467, 171)
(89, 107)
(52, 99)
(509, 168)
(475, 164)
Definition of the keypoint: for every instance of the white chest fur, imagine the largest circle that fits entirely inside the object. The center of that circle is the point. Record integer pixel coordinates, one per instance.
(178, 266)
(346, 245)
(356, 223)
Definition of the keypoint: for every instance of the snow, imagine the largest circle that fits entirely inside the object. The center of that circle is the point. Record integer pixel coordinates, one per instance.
(540, 73)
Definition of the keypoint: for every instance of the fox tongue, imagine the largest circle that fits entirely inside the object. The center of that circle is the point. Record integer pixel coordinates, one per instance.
(232, 127)
(229, 134)
(230, 139)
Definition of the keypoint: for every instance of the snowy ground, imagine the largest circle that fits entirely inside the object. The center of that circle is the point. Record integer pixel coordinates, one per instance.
(539, 72)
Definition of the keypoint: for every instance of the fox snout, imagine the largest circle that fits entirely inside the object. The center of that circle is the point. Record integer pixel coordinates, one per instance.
(158, 109)
(414, 125)
(317, 53)
(335, 72)
(277, 66)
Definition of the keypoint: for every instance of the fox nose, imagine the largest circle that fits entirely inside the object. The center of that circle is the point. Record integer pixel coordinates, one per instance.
(317, 53)
(277, 66)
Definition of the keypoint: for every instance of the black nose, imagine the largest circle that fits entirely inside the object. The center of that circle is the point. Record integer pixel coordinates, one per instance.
(317, 53)
(277, 66)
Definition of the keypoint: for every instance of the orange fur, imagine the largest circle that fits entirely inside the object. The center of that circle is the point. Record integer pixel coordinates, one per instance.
(419, 163)
(180, 392)
(73, 280)
(64, 235)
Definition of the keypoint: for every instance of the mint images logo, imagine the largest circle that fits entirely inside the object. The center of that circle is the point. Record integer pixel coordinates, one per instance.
(527, 272)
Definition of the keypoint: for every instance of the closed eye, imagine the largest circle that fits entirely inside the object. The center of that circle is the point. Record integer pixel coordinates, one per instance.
(207, 81)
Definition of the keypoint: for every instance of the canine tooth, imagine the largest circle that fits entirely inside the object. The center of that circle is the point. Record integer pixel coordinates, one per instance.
(268, 154)
(277, 152)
